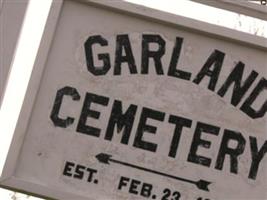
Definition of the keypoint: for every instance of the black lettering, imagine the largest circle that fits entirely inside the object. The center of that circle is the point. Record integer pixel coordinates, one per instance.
(179, 124)
(197, 141)
(246, 107)
(236, 78)
(257, 156)
(144, 127)
(54, 116)
(123, 42)
(79, 172)
(123, 182)
(146, 190)
(67, 169)
(96, 70)
(167, 194)
(91, 174)
(156, 55)
(232, 152)
(216, 59)
(133, 187)
(174, 60)
(123, 121)
(87, 112)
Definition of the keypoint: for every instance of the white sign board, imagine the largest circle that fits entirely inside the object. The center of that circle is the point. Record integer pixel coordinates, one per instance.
(126, 102)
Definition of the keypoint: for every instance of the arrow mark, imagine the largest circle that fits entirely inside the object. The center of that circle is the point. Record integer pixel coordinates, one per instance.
(106, 159)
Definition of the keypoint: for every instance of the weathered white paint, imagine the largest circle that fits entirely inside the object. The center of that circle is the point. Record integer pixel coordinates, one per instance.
(39, 149)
